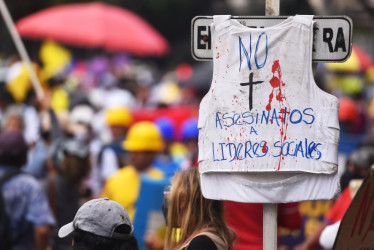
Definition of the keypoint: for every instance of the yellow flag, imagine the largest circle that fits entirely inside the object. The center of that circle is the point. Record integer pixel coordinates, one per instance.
(54, 58)
(20, 84)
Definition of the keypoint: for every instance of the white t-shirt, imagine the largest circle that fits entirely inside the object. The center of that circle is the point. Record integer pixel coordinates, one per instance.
(264, 123)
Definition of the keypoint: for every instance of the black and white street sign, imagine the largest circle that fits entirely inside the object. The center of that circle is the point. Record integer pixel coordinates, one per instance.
(332, 35)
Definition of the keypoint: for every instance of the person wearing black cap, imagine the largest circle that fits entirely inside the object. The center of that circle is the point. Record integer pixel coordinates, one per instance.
(29, 215)
(101, 224)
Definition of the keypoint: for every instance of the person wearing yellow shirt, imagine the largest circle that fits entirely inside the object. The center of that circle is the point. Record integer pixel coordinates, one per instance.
(143, 142)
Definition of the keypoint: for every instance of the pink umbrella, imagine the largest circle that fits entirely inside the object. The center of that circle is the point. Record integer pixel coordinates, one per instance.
(95, 25)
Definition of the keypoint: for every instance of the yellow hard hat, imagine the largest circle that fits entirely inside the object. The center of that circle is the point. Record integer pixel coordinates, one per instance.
(118, 117)
(143, 136)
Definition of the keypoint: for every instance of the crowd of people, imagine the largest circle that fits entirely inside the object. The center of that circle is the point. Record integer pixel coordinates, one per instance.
(105, 137)
(96, 153)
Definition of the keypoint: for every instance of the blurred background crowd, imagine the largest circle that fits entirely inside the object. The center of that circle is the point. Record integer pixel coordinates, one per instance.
(75, 132)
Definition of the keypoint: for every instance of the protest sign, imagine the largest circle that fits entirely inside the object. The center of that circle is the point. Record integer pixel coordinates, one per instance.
(264, 114)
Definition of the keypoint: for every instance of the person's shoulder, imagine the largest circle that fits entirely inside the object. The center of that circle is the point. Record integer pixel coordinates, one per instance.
(202, 242)
(25, 185)
(128, 172)
(27, 180)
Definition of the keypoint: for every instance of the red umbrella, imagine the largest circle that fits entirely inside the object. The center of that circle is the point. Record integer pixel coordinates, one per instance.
(95, 25)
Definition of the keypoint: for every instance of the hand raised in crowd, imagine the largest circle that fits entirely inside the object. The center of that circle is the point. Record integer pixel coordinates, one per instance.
(44, 102)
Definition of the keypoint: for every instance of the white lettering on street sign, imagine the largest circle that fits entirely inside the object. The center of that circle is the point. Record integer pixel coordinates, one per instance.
(332, 36)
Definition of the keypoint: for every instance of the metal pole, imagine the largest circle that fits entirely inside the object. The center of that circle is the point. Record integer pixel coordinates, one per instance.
(270, 226)
(272, 8)
(21, 48)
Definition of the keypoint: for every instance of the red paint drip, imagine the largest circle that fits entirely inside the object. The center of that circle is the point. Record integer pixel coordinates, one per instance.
(282, 110)
(264, 148)
(268, 107)
(276, 83)
(275, 66)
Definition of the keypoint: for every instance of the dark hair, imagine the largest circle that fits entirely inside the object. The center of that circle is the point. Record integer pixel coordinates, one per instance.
(87, 241)
(11, 160)
(75, 169)
(71, 159)
(13, 148)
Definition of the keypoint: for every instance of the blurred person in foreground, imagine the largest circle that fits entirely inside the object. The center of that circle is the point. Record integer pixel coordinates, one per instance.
(113, 156)
(100, 224)
(201, 221)
(143, 142)
(49, 131)
(30, 217)
(68, 165)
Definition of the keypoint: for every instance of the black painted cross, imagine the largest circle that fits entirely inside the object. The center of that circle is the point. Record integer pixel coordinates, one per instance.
(250, 83)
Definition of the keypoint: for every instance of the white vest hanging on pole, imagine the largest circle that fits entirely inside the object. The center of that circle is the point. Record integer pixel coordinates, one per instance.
(264, 117)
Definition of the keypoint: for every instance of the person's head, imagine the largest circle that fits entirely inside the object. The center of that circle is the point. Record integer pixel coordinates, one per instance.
(347, 114)
(190, 211)
(13, 148)
(143, 142)
(80, 122)
(361, 160)
(190, 134)
(70, 158)
(118, 120)
(101, 224)
(13, 119)
(167, 128)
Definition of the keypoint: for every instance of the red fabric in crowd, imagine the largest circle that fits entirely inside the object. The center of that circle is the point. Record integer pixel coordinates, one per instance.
(246, 220)
(339, 208)
(289, 215)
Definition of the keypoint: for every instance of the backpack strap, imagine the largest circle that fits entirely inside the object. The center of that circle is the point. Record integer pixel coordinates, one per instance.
(220, 244)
